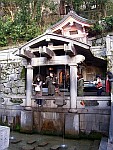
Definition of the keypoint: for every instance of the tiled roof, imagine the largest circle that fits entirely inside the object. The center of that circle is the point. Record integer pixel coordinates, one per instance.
(76, 17)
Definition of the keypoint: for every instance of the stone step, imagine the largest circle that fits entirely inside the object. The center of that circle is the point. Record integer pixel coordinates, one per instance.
(31, 141)
(15, 141)
(42, 144)
(103, 143)
(55, 147)
(72, 148)
(28, 147)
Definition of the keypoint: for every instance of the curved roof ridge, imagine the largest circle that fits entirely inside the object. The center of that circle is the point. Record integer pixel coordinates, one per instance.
(74, 15)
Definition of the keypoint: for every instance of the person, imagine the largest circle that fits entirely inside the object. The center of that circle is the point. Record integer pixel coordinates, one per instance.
(99, 86)
(80, 87)
(51, 82)
(57, 90)
(108, 85)
(38, 89)
(109, 80)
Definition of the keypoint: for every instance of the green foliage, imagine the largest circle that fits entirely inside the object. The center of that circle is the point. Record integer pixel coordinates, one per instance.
(96, 29)
(13, 32)
(102, 27)
(92, 9)
(108, 23)
(22, 20)
(16, 101)
(24, 24)
(23, 73)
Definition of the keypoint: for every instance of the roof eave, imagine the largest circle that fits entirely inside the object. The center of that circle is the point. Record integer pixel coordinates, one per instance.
(56, 37)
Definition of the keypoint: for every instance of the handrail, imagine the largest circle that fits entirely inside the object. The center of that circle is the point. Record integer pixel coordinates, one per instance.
(79, 98)
(98, 98)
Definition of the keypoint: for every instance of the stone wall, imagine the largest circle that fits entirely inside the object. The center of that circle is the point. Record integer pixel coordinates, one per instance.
(86, 122)
(12, 75)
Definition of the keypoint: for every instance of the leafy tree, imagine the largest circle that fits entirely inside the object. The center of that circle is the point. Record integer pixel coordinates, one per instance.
(22, 20)
(91, 8)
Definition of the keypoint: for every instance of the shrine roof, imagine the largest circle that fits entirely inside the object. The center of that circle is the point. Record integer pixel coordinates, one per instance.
(42, 40)
(77, 18)
(56, 39)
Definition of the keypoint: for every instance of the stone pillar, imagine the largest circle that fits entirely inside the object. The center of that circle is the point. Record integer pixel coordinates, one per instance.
(26, 121)
(108, 46)
(71, 124)
(73, 88)
(29, 85)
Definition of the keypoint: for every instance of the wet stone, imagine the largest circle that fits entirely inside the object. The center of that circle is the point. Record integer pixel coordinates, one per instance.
(55, 147)
(63, 147)
(42, 144)
(31, 141)
(28, 147)
(15, 141)
(72, 148)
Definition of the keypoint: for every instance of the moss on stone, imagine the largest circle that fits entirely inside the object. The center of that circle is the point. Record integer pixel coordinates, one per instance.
(22, 73)
(14, 100)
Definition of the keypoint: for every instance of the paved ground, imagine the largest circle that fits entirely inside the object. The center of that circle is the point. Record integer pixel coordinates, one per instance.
(42, 142)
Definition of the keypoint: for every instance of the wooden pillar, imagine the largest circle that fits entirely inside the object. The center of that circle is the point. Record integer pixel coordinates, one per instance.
(29, 85)
(73, 88)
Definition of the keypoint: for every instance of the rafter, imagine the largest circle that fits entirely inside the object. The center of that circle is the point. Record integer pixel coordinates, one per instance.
(45, 51)
(69, 49)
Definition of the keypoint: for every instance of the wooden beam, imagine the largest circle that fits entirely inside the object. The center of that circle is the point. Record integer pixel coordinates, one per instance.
(57, 60)
(69, 49)
(26, 54)
(45, 51)
(34, 50)
(51, 47)
(59, 47)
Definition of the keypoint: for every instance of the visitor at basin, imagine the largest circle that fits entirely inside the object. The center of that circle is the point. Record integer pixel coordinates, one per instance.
(109, 80)
(57, 89)
(108, 85)
(51, 83)
(38, 89)
(99, 86)
(80, 87)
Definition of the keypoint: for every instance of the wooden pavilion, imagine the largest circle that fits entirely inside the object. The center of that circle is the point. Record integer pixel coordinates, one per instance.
(62, 47)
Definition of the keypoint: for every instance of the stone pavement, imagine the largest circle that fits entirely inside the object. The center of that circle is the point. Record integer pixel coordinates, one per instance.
(43, 142)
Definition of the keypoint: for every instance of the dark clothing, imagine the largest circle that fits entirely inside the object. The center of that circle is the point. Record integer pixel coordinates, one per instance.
(80, 87)
(51, 82)
(99, 92)
(99, 87)
(39, 101)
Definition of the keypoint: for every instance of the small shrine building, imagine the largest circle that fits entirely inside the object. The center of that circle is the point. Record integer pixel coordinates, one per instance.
(63, 48)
